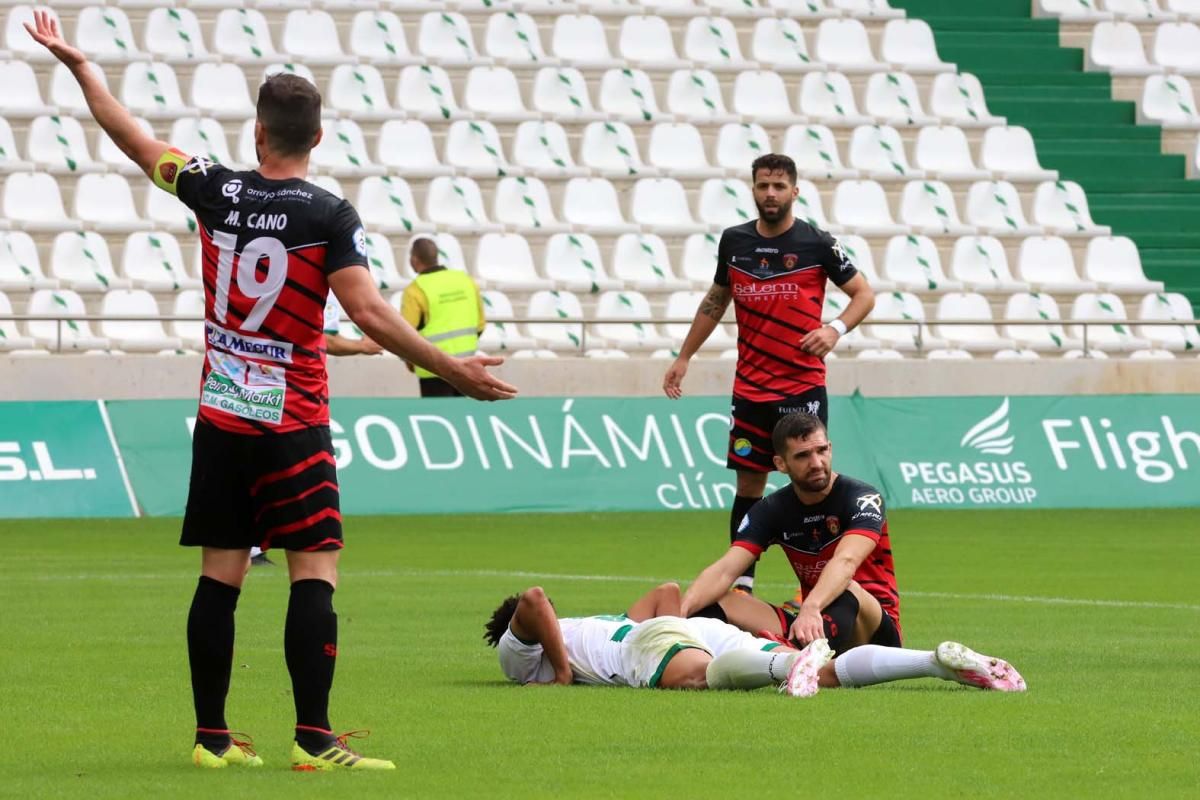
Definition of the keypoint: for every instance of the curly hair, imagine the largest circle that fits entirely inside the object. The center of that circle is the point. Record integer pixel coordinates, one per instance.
(501, 617)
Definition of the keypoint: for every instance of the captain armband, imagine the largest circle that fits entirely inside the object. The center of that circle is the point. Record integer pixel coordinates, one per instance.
(168, 168)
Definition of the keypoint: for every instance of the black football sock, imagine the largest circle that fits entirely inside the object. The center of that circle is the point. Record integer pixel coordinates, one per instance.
(310, 647)
(210, 654)
(741, 506)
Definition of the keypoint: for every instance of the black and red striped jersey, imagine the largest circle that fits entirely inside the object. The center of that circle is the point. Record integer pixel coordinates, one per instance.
(778, 287)
(267, 247)
(809, 535)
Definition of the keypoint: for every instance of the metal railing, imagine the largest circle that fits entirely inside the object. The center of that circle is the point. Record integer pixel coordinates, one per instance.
(920, 337)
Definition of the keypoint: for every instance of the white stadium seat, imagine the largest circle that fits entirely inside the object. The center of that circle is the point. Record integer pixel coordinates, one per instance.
(738, 144)
(1116, 47)
(739, 8)
(780, 43)
(815, 151)
(153, 261)
(57, 144)
(928, 206)
(513, 38)
(445, 37)
(562, 93)
(20, 264)
(501, 334)
(342, 150)
(311, 36)
(190, 332)
(958, 98)
(166, 212)
(981, 263)
(473, 147)
(1061, 207)
(1116, 336)
(879, 354)
(80, 261)
(828, 97)
(628, 94)
(150, 89)
(813, 9)
(357, 90)
(111, 156)
(201, 136)
(504, 261)
(862, 207)
(661, 204)
(859, 250)
(543, 148)
(1138, 10)
(387, 204)
(32, 202)
(700, 260)
(377, 37)
(136, 336)
(1167, 100)
(1010, 354)
(610, 148)
(1046, 263)
(913, 263)
(909, 44)
(845, 45)
(995, 207)
(579, 39)
(1113, 262)
(943, 150)
(592, 203)
(868, 8)
(406, 146)
(878, 151)
(641, 335)
(493, 92)
(10, 337)
(524, 204)
(643, 262)
(381, 261)
(219, 90)
(70, 333)
(808, 205)
(725, 202)
(426, 92)
(949, 354)
(683, 305)
(981, 338)
(1152, 354)
(456, 204)
(1048, 335)
(1090, 353)
(21, 96)
(834, 306)
(551, 335)
(1185, 8)
(1159, 306)
(695, 95)
(1010, 153)
(893, 97)
(1177, 47)
(678, 149)
(713, 42)
(761, 95)
(647, 42)
(242, 34)
(104, 34)
(573, 262)
(901, 307)
(1071, 10)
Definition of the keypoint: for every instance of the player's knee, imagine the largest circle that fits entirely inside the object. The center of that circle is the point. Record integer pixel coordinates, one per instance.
(839, 618)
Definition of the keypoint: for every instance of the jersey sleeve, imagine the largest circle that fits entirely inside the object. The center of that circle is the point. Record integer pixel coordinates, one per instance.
(347, 245)
(196, 181)
(721, 278)
(756, 530)
(836, 260)
(865, 513)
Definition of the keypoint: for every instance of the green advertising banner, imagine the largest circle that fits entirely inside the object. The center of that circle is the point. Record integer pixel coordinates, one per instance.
(1122, 451)
(457, 456)
(57, 460)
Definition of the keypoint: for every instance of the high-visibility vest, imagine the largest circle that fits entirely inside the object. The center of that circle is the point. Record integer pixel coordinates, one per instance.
(453, 322)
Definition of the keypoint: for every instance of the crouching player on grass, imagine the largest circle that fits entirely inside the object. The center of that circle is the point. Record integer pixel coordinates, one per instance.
(651, 646)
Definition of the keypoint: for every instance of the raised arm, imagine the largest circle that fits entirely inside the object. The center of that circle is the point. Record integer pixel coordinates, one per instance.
(835, 579)
(708, 316)
(535, 621)
(712, 584)
(356, 291)
(114, 118)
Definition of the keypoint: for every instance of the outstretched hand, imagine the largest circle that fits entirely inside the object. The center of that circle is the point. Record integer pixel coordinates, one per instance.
(45, 32)
(472, 379)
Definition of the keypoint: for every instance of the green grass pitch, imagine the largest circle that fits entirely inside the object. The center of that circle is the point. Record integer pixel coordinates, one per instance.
(1100, 612)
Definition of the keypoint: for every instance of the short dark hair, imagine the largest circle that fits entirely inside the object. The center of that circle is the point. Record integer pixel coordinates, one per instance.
(289, 108)
(425, 251)
(774, 162)
(501, 617)
(794, 426)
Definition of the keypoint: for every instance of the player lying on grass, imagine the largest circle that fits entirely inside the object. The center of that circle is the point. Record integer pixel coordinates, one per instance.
(651, 646)
(833, 530)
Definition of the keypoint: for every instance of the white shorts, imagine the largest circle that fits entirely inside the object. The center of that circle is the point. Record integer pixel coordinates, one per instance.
(652, 645)
(523, 663)
(721, 637)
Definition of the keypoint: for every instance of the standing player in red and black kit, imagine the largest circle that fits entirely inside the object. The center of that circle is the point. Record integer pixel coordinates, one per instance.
(262, 458)
(774, 270)
(834, 532)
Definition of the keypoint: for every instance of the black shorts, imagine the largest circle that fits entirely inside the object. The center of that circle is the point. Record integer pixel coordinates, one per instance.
(273, 490)
(750, 447)
(886, 635)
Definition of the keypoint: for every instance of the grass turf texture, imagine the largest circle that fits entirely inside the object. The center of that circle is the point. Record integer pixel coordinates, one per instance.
(95, 700)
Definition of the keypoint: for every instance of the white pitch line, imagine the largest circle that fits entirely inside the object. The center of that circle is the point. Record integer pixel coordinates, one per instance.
(639, 579)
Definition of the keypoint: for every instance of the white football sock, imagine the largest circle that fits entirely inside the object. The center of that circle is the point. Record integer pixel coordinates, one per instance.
(872, 663)
(749, 669)
(744, 582)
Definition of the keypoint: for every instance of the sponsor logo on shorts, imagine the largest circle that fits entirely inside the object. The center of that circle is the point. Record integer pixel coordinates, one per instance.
(742, 447)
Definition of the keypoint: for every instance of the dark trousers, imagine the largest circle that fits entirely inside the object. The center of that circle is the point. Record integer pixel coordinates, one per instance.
(436, 387)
